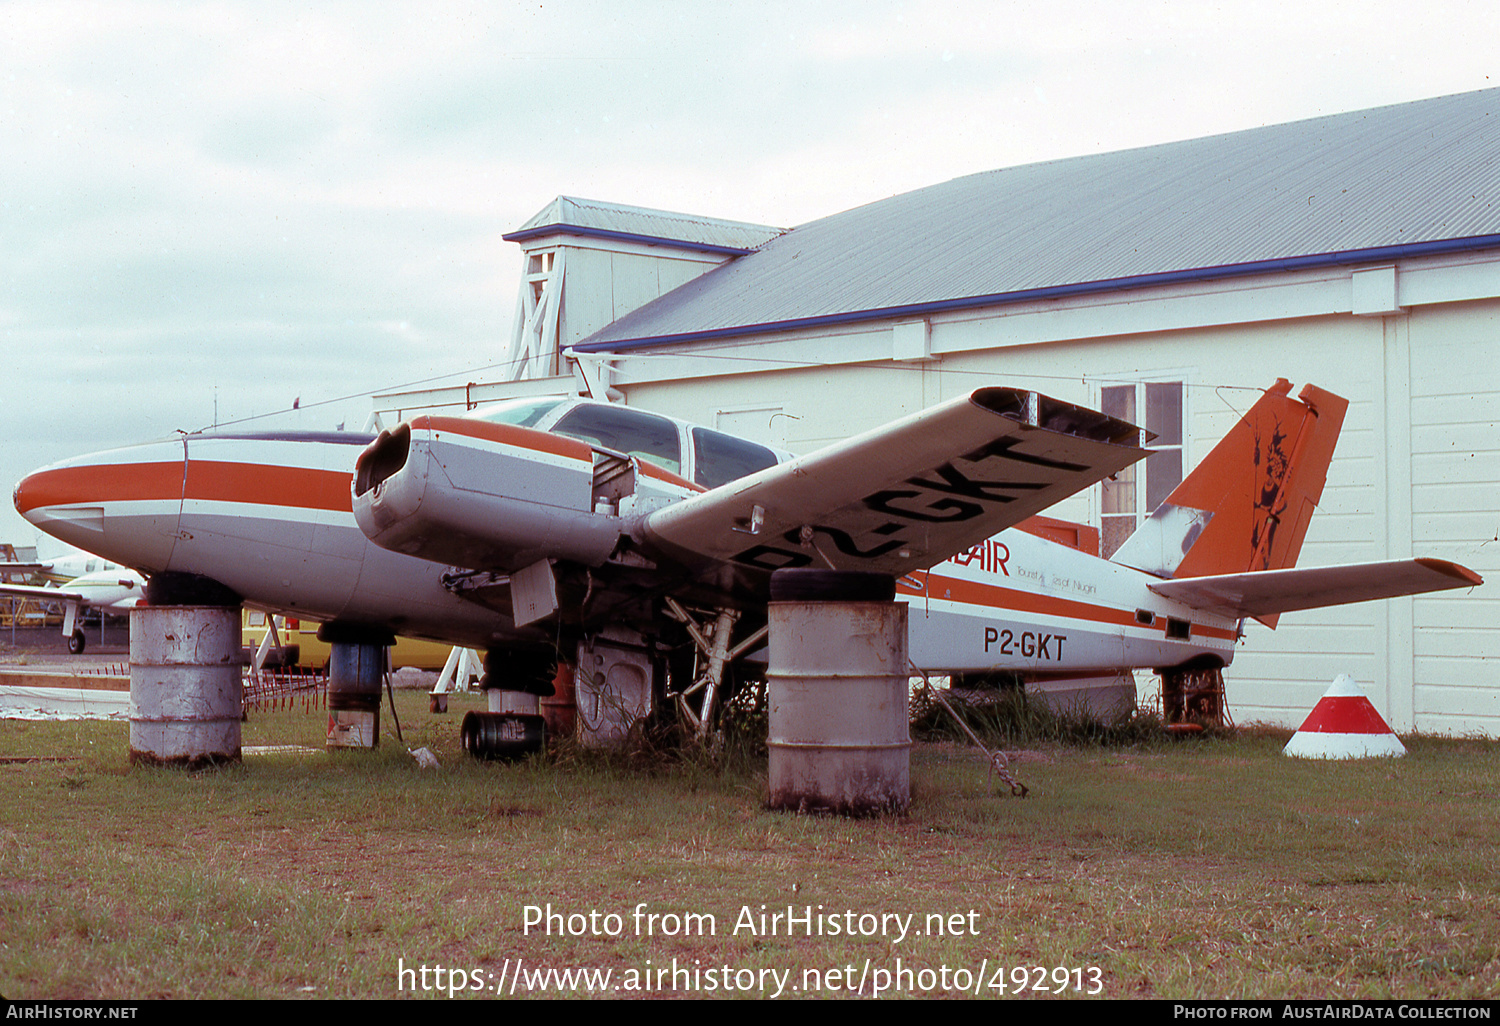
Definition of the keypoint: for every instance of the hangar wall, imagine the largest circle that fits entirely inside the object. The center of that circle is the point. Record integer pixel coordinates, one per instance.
(1416, 470)
(621, 276)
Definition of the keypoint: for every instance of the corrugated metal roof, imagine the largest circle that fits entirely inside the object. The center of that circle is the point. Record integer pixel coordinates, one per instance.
(569, 215)
(1332, 189)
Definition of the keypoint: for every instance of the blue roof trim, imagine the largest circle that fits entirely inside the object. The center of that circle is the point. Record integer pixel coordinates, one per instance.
(1298, 263)
(604, 233)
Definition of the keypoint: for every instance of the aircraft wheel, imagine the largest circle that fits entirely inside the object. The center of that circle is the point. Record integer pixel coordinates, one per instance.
(76, 642)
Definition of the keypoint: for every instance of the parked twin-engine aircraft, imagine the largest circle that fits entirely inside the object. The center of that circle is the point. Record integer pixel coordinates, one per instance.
(549, 529)
(87, 582)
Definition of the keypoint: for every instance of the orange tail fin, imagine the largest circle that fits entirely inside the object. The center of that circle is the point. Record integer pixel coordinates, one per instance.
(1246, 506)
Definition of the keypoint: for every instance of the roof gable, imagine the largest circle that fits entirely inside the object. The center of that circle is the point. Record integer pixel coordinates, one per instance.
(568, 215)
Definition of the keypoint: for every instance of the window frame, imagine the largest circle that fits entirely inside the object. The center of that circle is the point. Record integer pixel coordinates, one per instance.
(1140, 383)
(625, 414)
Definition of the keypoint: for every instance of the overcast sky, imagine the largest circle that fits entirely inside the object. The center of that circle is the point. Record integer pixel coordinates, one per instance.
(245, 204)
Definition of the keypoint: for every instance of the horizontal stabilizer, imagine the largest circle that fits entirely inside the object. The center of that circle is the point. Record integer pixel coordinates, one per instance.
(1262, 593)
(905, 496)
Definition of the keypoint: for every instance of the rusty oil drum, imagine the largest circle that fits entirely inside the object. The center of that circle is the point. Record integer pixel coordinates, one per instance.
(560, 709)
(186, 696)
(840, 739)
(355, 673)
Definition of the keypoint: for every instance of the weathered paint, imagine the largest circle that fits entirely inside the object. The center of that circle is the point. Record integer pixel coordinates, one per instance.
(837, 693)
(185, 690)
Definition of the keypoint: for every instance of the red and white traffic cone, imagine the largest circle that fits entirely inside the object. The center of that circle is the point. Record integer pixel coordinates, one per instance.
(1344, 725)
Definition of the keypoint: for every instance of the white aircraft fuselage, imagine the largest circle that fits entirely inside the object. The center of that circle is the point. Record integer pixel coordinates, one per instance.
(474, 504)
(268, 516)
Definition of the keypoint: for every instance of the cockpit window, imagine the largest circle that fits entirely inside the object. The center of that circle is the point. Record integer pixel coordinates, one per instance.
(723, 458)
(517, 412)
(622, 429)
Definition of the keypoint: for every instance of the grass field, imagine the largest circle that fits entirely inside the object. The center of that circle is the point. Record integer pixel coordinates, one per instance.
(1205, 868)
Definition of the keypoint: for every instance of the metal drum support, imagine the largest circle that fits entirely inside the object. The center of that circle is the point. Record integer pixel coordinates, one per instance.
(840, 738)
(186, 697)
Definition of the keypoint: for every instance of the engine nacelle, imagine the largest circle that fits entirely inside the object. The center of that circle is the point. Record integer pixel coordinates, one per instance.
(474, 494)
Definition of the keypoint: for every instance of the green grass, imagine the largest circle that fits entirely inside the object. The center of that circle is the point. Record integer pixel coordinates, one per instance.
(1006, 716)
(1207, 867)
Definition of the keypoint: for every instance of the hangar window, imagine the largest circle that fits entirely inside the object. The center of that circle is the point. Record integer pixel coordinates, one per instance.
(1134, 492)
(622, 429)
(719, 458)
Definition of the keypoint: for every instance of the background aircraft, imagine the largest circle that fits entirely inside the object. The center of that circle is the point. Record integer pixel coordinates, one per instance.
(56, 569)
(84, 581)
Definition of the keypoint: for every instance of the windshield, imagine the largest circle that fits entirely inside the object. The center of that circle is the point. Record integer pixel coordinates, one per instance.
(517, 412)
(633, 432)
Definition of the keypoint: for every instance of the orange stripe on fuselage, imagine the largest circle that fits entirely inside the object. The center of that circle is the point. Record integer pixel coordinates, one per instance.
(104, 482)
(207, 480)
(268, 484)
(264, 485)
(652, 470)
(991, 596)
(508, 434)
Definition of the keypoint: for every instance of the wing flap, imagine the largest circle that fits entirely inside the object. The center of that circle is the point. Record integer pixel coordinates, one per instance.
(907, 495)
(1261, 593)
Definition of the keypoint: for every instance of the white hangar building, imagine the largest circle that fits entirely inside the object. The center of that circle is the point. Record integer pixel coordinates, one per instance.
(1168, 284)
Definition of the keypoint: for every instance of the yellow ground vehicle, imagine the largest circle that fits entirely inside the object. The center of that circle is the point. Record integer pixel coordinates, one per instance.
(300, 645)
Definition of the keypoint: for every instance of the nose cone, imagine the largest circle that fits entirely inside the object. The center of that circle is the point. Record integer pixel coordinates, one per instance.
(123, 504)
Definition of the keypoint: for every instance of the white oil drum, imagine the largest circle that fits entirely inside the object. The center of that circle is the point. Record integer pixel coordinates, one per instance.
(186, 696)
(840, 738)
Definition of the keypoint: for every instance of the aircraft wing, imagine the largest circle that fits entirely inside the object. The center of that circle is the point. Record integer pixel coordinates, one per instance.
(37, 591)
(904, 496)
(1264, 592)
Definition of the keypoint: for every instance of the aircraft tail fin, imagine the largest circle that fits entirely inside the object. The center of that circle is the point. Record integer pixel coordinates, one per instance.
(1247, 505)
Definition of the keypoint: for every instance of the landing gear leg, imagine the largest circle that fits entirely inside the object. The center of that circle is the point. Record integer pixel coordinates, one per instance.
(1194, 695)
(711, 639)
